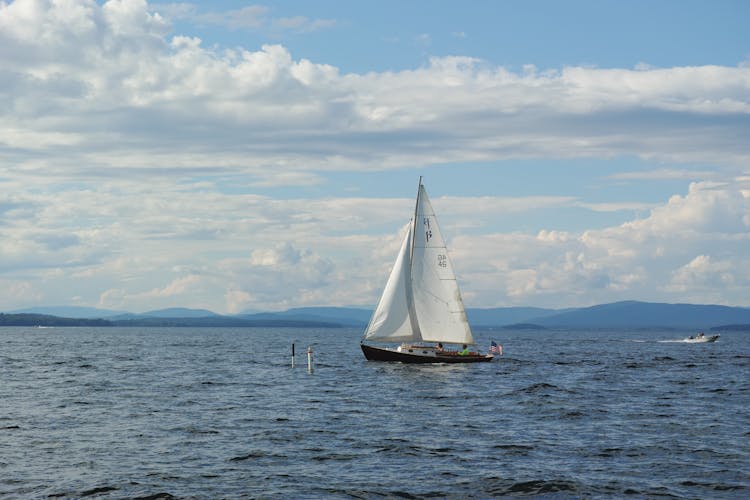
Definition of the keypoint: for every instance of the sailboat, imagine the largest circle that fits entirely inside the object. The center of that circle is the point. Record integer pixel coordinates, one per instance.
(421, 305)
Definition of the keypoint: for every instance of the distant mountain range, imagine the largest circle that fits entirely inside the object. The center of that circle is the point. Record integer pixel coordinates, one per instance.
(628, 314)
(632, 314)
(94, 313)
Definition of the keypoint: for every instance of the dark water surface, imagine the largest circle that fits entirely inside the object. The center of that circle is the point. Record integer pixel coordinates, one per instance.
(220, 413)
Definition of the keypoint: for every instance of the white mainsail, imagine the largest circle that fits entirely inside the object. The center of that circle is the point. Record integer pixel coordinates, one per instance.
(421, 301)
(437, 299)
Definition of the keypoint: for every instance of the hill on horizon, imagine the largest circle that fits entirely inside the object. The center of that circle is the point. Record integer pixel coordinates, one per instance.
(635, 314)
(347, 316)
(179, 312)
(501, 316)
(625, 314)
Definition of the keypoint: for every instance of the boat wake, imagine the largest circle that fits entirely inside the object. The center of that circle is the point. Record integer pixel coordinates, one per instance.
(686, 341)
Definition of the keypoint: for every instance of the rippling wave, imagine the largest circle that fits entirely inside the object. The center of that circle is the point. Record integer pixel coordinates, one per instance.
(220, 413)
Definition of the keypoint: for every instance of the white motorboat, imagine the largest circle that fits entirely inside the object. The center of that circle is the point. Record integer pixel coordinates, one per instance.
(700, 338)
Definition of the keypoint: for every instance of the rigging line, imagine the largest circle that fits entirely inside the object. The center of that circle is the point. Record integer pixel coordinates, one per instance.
(439, 299)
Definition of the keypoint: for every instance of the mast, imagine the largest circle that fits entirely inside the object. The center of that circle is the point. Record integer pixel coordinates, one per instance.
(414, 223)
(413, 319)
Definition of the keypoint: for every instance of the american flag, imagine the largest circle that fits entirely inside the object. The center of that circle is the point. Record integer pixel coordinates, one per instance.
(496, 348)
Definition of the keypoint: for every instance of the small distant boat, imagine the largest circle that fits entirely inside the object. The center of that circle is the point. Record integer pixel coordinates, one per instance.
(700, 338)
(421, 302)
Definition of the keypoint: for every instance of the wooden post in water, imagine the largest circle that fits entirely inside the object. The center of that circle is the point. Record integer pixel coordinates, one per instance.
(309, 359)
(292, 354)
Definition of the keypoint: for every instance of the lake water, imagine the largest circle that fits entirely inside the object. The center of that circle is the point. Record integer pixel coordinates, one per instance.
(220, 413)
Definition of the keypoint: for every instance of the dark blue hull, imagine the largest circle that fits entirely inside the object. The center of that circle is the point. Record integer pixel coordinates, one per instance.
(418, 355)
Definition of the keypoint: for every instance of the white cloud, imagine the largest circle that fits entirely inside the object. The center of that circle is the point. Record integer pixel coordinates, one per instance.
(180, 286)
(283, 254)
(616, 206)
(665, 173)
(250, 17)
(702, 272)
(707, 208)
(111, 83)
(19, 292)
(115, 133)
(112, 298)
(302, 24)
(644, 259)
(271, 272)
(175, 246)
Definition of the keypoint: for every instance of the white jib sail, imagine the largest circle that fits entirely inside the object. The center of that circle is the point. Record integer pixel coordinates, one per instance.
(391, 322)
(437, 300)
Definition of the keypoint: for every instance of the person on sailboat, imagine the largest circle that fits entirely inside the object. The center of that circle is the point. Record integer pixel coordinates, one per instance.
(439, 347)
(465, 351)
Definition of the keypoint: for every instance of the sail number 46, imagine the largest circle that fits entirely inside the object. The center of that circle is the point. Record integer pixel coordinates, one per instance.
(442, 260)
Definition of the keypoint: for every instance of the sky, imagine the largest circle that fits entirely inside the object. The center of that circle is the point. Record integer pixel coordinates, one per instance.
(239, 156)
